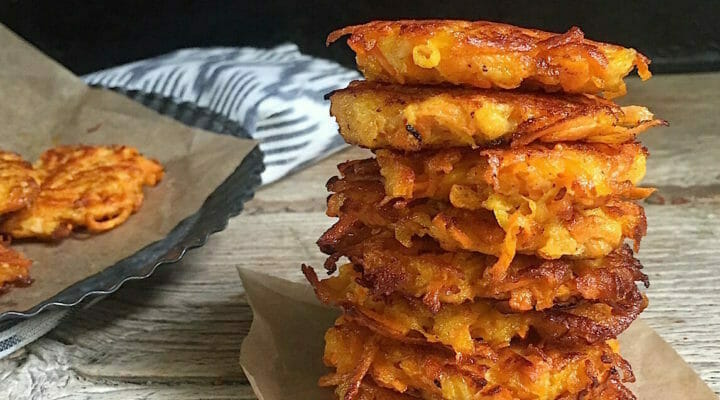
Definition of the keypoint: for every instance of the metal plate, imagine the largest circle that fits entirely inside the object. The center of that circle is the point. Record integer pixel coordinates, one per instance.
(225, 202)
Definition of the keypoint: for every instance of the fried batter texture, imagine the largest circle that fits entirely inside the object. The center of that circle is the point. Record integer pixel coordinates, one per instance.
(480, 327)
(426, 272)
(18, 182)
(368, 390)
(14, 268)
(413, 118)
(557, 178)
(97, 188)
(521, 371)
(486, 54)
(611, 389)
(581, 233)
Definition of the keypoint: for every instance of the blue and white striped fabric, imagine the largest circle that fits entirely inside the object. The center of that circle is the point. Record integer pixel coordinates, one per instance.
(276, 94)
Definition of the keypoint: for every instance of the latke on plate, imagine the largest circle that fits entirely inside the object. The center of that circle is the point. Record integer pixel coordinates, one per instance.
(14, 268)
(96, 188)
(18, 182)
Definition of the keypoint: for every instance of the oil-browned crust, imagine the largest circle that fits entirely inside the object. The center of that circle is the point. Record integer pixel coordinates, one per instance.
(411, 118)
(14, 268)
(472, 328)
(486, 54)
(592, 233)
(611, 389)
(18, 182)
(96, 188)
(562, 176)
(574, 371)
(426, 272)
(368, 390)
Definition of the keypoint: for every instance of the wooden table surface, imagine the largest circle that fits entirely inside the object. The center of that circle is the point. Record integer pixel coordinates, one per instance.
(177, 334)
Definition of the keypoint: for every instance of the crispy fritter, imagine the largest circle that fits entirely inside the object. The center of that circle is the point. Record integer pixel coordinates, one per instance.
(611, 389)
(14, 268)
(520, 372)
(426, 272)
(486, 54)
(478, 327)
(18, 182)
(412, 118)
(556, 177)
(368, 390)
(583, 233)
(97, 188)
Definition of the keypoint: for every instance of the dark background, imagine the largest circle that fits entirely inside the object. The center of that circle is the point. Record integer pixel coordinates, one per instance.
(85, 36)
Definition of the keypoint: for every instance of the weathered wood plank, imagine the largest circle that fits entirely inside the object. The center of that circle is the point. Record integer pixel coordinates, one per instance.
(36, 375)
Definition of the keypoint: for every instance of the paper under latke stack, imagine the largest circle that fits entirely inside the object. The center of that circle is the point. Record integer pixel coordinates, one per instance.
(486, 239)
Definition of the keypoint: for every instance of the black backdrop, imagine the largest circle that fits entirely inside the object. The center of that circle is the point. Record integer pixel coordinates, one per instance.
(86, 35)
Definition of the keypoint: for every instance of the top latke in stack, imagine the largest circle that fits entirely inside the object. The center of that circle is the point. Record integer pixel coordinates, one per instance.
(485, 240)
(490, 55)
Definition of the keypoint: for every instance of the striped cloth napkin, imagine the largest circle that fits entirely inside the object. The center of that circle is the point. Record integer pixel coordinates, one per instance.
(275, 94)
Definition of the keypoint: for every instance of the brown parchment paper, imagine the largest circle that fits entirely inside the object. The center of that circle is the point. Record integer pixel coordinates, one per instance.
(43, 105)
(282, 354)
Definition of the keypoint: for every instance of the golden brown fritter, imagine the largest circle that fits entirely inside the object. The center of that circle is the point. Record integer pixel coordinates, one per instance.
(478, 327)
(519, 372)
(557, 178)
(412, 118)
(611, 389)
(14, 268)
(359, 199)
(18, 184)
(486, 54)
(97, 188)
(368, 390)
(426, 272)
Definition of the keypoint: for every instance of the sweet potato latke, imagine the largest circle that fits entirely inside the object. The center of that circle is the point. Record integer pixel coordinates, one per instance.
(521, 371)
(18, 182)
(359, 199)
(368, 390)
(97, 188)
(557, 178)
(14, 268)
(412, 118)
(479, 327)
(486, 54)
(426, 272)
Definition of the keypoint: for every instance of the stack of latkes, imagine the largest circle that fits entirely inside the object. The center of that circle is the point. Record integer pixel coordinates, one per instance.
(486, 239)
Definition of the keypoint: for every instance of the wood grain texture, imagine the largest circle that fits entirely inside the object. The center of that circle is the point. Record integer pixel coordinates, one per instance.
(177, 334)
